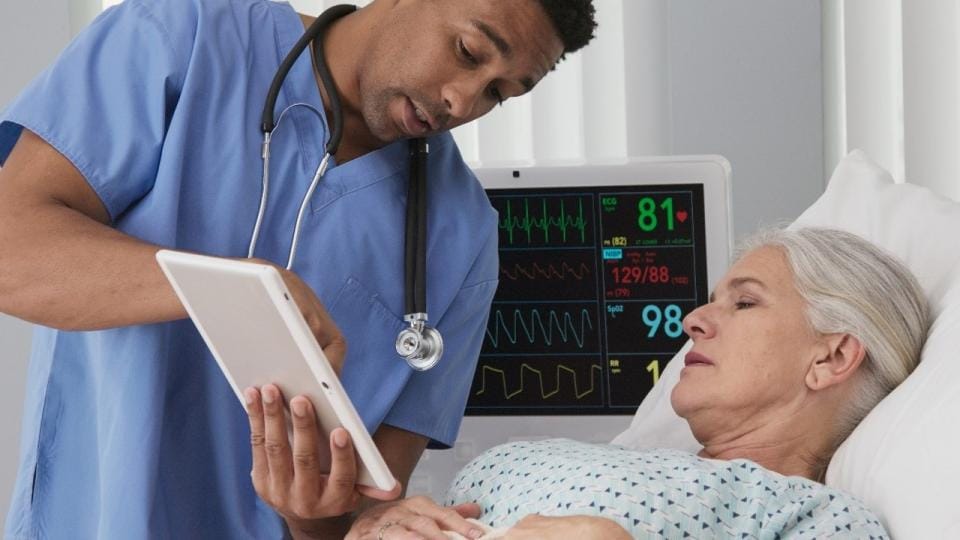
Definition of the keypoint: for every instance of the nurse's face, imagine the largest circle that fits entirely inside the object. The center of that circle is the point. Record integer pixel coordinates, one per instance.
(752, 348)
(441, 63)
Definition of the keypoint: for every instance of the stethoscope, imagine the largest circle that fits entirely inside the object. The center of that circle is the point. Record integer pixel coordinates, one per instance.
(420, 344)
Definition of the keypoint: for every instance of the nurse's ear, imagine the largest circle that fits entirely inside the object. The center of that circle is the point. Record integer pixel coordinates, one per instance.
(838, 358)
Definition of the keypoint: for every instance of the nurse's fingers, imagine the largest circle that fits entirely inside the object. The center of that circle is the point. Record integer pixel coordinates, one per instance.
(341, 489)
(321, 324)
(261, 471)
(380, 494)
(308, 463)
(277, 442)
(332, 342)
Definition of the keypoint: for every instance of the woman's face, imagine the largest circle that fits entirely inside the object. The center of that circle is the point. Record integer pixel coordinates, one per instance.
(752, 349)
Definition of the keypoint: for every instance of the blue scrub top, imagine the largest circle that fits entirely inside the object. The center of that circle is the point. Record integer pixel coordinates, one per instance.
(134, 432)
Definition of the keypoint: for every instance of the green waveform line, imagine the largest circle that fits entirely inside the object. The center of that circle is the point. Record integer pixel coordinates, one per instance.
(529, 223)
(539, 374)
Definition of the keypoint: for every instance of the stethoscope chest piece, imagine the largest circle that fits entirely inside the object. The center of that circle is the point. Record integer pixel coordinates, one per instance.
(420, 345)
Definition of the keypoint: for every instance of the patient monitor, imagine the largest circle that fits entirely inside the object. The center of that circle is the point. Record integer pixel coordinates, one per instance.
(598, 266)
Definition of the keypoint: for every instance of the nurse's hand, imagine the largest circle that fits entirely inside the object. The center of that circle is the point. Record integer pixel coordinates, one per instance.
(321, 324)
(314, 478)
(415, 518)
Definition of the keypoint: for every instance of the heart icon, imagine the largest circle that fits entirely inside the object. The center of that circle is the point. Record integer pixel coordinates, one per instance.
(682, 216)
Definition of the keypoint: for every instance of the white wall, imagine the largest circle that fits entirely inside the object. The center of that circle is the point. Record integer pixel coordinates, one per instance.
(746, 82)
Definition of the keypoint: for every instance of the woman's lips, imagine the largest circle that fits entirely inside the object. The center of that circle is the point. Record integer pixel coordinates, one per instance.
(696, 359)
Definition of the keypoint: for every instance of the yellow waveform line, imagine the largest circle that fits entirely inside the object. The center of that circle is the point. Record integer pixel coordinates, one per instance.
(543, 394)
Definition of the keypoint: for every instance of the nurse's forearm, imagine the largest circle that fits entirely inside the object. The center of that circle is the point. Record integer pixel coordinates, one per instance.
(60, 264)
(60, 268)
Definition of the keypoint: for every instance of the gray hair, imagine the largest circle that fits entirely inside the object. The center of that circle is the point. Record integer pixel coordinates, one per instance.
(853, 287)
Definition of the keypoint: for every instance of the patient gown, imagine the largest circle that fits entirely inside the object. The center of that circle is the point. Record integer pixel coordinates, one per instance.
(657, 493)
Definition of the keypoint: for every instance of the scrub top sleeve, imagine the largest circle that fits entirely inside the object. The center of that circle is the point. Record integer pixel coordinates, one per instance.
(433, 401)
(106, 102)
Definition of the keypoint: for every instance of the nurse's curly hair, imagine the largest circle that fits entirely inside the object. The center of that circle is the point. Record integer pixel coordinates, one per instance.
(574, 21)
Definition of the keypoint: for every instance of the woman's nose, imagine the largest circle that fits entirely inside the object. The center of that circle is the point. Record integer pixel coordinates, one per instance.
(697, 323)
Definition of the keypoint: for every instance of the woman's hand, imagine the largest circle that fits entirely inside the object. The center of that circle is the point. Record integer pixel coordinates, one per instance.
(535, 527)
(315, 478)
(415, 518)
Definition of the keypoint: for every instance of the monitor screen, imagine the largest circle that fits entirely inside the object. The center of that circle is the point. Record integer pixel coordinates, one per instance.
(594, 285)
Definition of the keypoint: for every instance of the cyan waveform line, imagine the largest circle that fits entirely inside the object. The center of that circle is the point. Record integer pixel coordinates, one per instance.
(551, 272)
(566, 329)
(528, 222)
(543, 393)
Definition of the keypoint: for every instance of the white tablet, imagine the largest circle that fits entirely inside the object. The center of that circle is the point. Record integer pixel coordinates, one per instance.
(258, 336)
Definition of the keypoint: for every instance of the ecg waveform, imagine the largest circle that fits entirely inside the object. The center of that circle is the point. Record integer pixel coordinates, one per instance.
(526, 221)
(532, 324)
(535, 271)
(594, 368)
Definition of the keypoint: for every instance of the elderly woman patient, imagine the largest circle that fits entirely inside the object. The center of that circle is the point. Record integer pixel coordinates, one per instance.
(804, 335)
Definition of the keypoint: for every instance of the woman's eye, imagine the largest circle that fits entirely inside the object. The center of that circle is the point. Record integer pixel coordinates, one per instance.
(466, 53)
(744, 304)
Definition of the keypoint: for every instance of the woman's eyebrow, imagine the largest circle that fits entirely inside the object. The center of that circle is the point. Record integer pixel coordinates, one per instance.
(738, 282)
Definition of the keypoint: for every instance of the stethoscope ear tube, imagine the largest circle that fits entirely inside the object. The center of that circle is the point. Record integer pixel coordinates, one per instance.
(318, 26)
(415, 256)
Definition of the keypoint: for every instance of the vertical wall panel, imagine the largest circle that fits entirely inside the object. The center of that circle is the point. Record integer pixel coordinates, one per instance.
(604, 95)
(645, 97)
(557, 114)
(931, 66)
(872, 52)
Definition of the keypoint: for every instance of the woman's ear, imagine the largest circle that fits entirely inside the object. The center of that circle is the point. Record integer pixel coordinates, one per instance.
(837, 363)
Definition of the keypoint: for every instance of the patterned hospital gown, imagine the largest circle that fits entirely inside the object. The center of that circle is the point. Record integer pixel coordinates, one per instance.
(657, 493)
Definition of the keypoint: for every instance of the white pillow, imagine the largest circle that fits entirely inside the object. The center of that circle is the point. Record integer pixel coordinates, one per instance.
(902, 460)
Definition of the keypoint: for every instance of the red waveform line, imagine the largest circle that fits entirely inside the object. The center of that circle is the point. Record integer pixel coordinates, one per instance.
(535, 271)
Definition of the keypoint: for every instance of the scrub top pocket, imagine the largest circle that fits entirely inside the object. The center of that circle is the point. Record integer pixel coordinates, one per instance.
(373, 373)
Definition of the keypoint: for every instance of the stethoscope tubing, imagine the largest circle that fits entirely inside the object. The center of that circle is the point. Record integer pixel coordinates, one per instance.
(420, 345)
